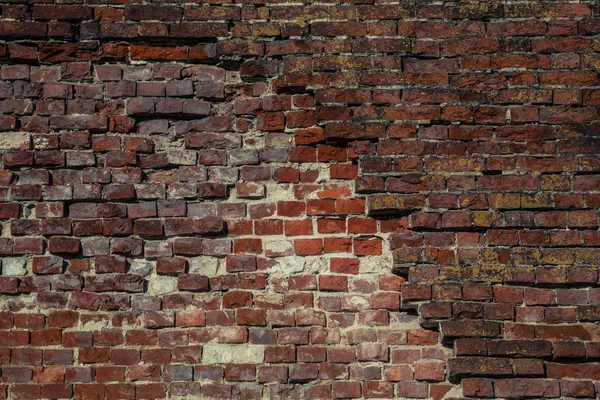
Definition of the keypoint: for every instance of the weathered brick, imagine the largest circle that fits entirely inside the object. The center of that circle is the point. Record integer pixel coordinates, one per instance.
(212, 192)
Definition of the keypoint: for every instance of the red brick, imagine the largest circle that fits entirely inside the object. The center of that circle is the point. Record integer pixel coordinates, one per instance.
(333, 283)
(308, 246)
(343, 390)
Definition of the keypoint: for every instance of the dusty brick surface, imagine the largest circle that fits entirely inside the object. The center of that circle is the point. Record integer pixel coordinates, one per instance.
(250, 199)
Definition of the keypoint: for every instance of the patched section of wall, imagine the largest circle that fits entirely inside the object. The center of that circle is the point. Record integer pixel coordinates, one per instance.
(299, 201)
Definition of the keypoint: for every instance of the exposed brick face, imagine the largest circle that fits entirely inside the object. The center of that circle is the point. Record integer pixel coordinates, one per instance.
(273, 200)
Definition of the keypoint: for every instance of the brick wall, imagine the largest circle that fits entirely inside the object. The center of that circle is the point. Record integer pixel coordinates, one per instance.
(269, 200)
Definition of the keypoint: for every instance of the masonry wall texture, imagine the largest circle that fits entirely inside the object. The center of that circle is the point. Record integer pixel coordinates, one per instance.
(260, 199)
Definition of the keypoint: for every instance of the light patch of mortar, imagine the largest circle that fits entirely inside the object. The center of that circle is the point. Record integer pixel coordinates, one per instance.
(279, 192)
(278, 246)
(288, 265)
(315, 265)
(208, 266)
(14, 266)
(5, 229)
(253, 140)
(381, 264)
(181, 157)
(27, 302)
(159, 285)
(213, 353)
(164, 142)
(140, 267)
(14, 141)
(455, 392)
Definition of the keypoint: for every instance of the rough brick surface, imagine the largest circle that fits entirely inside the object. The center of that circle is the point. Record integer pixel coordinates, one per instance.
(250, 199)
